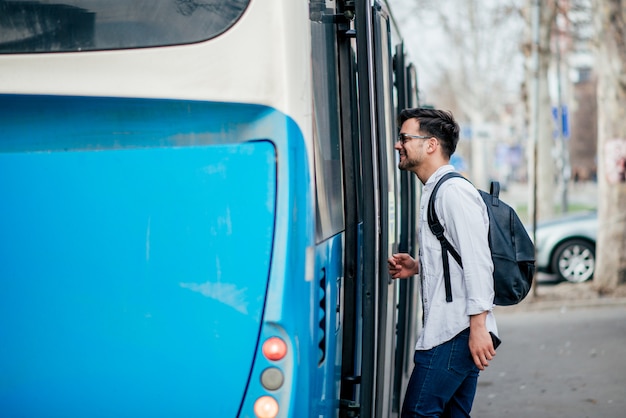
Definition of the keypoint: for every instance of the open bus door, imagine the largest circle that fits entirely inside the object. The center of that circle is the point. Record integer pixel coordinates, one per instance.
(377, 311)
(388, 182)
(409, 305)
(379, 199)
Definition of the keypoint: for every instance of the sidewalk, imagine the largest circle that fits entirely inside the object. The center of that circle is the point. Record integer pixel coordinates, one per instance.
(565, 296)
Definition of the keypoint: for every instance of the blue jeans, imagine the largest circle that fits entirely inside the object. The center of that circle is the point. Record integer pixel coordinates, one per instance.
(443, 382)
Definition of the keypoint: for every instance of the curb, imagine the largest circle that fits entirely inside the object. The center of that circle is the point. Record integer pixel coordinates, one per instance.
(562, 304)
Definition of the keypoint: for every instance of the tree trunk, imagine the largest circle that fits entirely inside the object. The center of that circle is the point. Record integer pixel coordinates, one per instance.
(610, 16)
(546, 168)
(541, 167)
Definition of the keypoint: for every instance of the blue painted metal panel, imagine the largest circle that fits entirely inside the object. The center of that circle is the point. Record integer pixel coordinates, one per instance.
(132, 278)
(289, 311)
(327, 383)
(51, 123)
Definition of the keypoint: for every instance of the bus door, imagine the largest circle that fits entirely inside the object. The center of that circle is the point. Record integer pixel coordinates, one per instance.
(372, 208)
(379, 200)
(389, 199)
(409, 305)
(352, 313)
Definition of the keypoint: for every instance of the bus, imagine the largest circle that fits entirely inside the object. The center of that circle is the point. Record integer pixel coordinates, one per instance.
(197, 201)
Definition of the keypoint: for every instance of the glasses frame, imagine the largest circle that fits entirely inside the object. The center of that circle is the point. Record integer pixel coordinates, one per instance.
(403, 138)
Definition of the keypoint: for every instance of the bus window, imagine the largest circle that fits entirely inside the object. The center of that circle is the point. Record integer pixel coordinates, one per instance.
(87, 25)
(328, 156)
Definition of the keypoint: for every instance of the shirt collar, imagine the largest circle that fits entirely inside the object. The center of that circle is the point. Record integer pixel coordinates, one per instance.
(434, 178)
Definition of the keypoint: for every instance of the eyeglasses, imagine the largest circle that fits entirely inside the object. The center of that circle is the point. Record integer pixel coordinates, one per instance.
(406, 137)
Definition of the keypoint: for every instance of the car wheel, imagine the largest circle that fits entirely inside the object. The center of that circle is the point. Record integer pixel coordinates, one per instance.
(574, 260)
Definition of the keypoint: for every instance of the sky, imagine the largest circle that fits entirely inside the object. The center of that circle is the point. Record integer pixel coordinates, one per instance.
(429, 48)
(422, 39)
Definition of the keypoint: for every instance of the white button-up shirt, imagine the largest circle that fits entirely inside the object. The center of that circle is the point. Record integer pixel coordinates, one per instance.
(464, 217)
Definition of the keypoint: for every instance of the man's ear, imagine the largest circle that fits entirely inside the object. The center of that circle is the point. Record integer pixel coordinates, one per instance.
(433, 145)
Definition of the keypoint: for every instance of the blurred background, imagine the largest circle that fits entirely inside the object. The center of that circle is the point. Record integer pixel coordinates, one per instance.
(536, 88)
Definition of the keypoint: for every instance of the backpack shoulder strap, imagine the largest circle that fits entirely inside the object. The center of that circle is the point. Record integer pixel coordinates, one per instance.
(437, 229)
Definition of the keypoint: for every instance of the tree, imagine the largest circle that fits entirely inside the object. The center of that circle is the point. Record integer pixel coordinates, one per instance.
(471, 50)
(610, 25)
(540, 17)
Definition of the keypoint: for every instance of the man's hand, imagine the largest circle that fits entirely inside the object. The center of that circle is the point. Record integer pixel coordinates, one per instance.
(480, 343)
(402, 266)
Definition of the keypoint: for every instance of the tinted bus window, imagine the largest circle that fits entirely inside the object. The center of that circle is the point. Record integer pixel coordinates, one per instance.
(328, 156)
(87, 25)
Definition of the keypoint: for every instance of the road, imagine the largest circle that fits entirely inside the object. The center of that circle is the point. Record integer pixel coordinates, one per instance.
(557, 363)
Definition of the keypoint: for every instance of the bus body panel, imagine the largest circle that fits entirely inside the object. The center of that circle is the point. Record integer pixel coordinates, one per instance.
(132, 131)
(264, 58)
(125, 287)
(329, 282)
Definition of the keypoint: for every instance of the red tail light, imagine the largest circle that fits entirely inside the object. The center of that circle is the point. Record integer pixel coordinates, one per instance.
(274, 349)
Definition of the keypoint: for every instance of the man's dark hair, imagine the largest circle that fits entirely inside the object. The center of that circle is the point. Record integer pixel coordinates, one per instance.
(438, 123)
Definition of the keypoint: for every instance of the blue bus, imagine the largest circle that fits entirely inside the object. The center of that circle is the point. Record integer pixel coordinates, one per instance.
(197, 199)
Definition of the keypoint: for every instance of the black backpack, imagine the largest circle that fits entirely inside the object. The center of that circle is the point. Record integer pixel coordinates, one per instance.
(512, 250)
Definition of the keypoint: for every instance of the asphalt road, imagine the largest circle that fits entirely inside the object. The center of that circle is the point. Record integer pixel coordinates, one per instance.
(557, 363)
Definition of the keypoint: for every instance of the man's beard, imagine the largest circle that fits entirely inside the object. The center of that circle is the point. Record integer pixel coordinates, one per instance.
(407, 163)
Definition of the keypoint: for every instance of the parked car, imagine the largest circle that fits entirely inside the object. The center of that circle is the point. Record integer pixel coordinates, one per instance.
(566, 246)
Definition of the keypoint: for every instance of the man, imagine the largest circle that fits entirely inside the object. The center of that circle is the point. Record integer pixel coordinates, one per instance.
(455, 342)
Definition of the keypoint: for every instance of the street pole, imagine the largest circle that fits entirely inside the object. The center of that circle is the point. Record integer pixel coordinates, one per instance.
(532, 206)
